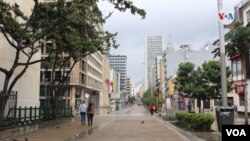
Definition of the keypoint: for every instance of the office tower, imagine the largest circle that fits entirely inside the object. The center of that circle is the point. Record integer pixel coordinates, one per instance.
(119, 64)
(153, 48)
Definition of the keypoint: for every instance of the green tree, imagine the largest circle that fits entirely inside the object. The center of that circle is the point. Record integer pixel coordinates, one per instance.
(148, 97)
(131, 99)
(189, 82)
(184, 75)
(70, 26)
(199, 87)
(202, 83)
(212, 77)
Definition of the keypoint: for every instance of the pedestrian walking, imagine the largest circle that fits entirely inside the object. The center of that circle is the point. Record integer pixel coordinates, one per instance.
(189, 106)
(90, 113)
(82, 109)
(152, 108)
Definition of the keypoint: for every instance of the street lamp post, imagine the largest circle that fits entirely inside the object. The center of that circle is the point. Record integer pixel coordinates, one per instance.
(222, 59)
(151, 84)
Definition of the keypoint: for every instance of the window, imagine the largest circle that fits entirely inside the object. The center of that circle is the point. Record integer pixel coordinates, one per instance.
(48, 75)
(82, 79)
(58, 76)
(49, 47)
(237, 69)
(242, 99)
(67, 64)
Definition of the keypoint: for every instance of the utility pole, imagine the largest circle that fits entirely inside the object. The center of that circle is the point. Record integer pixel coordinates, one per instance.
(222, 59)
(151, 84)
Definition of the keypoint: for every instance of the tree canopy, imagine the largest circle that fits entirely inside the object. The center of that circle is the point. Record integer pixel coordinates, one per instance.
(203, 82)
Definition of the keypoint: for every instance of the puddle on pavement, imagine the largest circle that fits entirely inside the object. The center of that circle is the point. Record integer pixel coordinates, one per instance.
(87, 132)
(83, 134)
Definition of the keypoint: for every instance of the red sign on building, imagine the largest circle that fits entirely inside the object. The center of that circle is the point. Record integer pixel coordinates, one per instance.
(239, 89)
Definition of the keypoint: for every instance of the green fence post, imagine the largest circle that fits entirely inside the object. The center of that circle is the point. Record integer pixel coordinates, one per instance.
(46, 113)
(35, 114)
(31, 114)
(71, 111)
(39, 113)
(15, 110)
(25, 114)
(19, 115)
(65, 111)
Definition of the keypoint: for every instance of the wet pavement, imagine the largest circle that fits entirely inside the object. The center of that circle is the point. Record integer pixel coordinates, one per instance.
(133, 123)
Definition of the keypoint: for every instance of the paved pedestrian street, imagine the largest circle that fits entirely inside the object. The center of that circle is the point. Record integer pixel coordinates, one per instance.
(130, 124)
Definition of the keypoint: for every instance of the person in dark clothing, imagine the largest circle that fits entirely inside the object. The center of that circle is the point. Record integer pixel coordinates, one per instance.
(189, 107)
(90, 114)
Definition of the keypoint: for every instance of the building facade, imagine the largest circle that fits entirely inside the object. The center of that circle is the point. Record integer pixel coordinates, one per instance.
(185, 54)
(104, 96)
(242, 90)
(84, 82)
(129, 86)
(119, 64)
(153, 48)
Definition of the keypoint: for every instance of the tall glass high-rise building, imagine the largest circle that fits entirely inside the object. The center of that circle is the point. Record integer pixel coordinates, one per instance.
(119, 64)
(153, 48)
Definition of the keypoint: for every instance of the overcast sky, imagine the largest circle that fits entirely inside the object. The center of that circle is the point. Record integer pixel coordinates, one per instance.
(186, 21)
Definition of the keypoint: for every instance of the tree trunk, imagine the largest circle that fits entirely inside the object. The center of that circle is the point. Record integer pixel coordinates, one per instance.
(199, 104)
(2, 105)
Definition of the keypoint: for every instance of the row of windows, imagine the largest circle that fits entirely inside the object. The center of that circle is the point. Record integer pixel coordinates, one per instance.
(48, 76)
(237, 69)
(242, 99)
(117, 60)
(97, 54)
(83, 65)
(83, 78)
(58, 76)
(48, 65)
(94, 83)
(111, 57)
(95, 62)
(122, 65)
(94, 72)
(120, 70)
(46, 47)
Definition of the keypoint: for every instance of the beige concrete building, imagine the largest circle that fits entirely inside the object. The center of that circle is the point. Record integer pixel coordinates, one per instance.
(27, 96)
(85, 82)
(104, 96)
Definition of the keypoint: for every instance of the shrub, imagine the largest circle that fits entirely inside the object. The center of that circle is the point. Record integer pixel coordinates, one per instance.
(195, 121)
